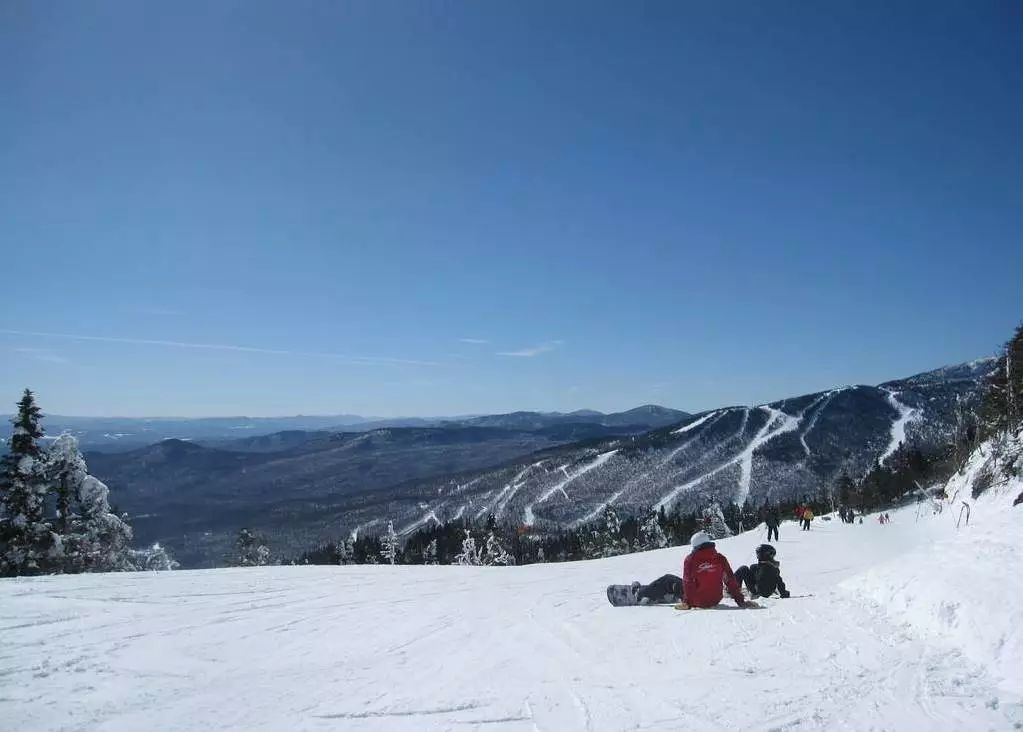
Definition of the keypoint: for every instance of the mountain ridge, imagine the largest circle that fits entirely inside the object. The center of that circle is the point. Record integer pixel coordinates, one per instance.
(129, 433)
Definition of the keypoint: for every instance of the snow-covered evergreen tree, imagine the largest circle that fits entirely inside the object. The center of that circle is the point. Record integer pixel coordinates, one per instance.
(390, 544)
(154, 559)
(250, 551)
(27, 543)
(495, 554)
(470, 555)
(612, 524)
(93, 538)
(714, 522)
(540, 556)
(430, 553)
(345, 553)
(651, 535)
(100, 539)
(608, 542)
(65, 469)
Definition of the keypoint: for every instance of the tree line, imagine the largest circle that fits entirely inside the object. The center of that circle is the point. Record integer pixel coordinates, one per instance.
(55, 518)
(461, 542)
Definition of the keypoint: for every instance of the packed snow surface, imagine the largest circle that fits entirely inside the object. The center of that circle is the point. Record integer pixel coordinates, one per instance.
(910, 626)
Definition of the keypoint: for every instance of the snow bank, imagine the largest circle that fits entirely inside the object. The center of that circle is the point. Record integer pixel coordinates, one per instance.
(962, 589)
(962, 592)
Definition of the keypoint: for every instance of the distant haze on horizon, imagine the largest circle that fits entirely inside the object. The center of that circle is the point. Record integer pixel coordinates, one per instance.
(465, 208)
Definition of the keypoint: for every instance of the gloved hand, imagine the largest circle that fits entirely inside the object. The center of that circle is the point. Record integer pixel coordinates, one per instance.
(785, 594)
(682, 606)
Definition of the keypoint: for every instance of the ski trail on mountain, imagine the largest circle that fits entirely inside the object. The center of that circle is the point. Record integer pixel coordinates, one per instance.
(529, 518)
(906, 414)
(354, 535)
(745, 421)
(422, 521)
(697, 423)
(509, 491)
(633, 482)
(678, 490)
(763, 436)
(744, 459)
(823, 400)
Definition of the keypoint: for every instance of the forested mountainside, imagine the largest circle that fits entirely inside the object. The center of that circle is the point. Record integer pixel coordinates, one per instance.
(323, 484)
(787, 449)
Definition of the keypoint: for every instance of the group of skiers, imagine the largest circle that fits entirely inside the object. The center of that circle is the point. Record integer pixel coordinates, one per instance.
(706, 574)
(804, 515)
(847, 515)
(883, 518)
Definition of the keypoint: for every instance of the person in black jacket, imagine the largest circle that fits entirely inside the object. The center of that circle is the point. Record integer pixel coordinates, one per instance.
(763, 579)
(772, 520)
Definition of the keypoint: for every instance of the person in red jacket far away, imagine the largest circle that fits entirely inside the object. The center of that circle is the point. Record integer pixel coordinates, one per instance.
(705, 575)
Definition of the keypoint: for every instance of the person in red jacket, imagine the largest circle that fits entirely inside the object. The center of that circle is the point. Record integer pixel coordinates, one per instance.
(705, 574)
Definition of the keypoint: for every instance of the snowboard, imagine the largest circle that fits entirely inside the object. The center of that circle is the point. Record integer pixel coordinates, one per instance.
(624, 596)
(621, 595)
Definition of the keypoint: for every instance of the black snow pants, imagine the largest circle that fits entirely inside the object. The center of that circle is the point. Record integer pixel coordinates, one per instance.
(663, 589)
(772, 530)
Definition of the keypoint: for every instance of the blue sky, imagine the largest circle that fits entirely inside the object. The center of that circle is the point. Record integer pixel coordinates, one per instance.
(394, 208)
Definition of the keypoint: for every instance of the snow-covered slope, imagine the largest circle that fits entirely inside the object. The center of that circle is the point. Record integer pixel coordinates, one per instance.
(537, 647)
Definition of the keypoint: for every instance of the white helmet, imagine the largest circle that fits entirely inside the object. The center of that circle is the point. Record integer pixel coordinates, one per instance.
(699, 539)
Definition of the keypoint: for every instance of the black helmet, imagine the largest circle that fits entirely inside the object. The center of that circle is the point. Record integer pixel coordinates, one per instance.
(765, 552)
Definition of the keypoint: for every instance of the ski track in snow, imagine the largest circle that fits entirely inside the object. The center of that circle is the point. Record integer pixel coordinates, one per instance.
(907, 414)
(412, 648)
(528, 516)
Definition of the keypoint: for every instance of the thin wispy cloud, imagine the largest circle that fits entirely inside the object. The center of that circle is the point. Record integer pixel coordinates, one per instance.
(40, 355)
(344, 358)
(532, 350)
(476, 341)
